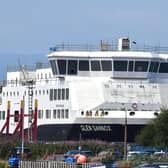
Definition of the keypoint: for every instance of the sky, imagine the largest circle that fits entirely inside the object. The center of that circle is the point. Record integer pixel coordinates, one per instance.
(29, 28)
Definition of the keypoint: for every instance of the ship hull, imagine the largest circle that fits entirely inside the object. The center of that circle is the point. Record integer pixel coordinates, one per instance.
(110, 133)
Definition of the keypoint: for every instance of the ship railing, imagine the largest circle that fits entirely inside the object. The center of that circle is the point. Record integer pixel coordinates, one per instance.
(15, 82)
(55, 79)
(23, 82)
(28, 68)
(107, 47)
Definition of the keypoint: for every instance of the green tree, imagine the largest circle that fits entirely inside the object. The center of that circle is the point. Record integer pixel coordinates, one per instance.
(156, 132)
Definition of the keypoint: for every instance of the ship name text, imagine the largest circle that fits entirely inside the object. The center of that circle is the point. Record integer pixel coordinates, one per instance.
(95, 128)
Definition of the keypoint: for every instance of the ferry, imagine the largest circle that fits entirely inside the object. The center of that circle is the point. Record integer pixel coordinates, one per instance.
(86, 93)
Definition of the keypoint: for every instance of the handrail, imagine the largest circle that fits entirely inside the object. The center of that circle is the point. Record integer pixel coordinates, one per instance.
(107, 47)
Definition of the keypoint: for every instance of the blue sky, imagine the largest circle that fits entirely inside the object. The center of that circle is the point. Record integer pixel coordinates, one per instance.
(29, 28)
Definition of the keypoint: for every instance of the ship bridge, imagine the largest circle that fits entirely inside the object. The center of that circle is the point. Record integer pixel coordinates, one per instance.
(118, 64)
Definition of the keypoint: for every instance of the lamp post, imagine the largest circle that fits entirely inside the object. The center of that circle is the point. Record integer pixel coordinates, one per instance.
(131, 113)
(125, 136)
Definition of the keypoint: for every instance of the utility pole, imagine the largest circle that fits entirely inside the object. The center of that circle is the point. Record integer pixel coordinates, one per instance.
(125, 136)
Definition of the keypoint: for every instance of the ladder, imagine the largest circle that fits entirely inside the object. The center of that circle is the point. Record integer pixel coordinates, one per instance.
(30, 109)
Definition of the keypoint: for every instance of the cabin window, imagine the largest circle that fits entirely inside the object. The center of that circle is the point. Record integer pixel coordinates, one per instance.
(120, 65)
(3, 115)
(63, 94)
(72, 67)
(83, 65)
(66, 113)
(40, 114)
(67, 93)
(45, 75)
(130, 66)
(58, 113)
(59, 94)
(61, 66)
(95, 65)
(106, 65)
(55, 94)
(62, 113)
(53, 66)
(153, 66)
(54, 114)
(16, 116)
(48, 114)
(163, 67)
(141, 66)
(49, 75)
(51, 94)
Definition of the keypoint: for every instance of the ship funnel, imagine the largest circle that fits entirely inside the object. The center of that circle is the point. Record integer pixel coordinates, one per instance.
(124, 44)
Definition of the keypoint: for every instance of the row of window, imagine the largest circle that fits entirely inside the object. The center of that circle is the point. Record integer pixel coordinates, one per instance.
(44, 76)
(59, 94)
(55, 114)
(130, 86)
(71, 67)
(47, 114)
(35, 92)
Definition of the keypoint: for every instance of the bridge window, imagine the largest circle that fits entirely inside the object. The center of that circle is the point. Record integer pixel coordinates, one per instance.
(83, 65)
(95, 65)
(130, 66)
(61, 66)
(106, 65)
(53, 66)
(72, 67)
(120, 65)
(141, 66)
(153, 66)
(163, 67)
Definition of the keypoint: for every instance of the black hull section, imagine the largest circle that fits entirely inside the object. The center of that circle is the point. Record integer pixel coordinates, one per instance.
(63, 132)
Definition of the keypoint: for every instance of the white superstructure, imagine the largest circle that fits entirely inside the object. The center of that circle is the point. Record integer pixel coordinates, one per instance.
(93, 90)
